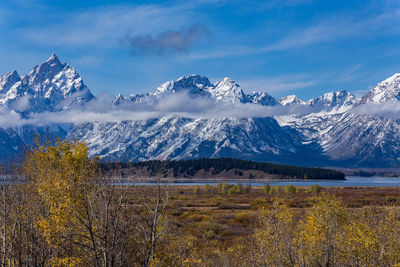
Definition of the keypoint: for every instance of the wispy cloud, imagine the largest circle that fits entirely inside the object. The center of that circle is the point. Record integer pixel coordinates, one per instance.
(167, 41)
(282, 83)
(333, 29)
(106, 25)
(389, 109)
(351, 73)
(179, 104)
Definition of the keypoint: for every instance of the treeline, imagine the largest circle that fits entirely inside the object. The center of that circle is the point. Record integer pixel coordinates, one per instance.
(188, 168)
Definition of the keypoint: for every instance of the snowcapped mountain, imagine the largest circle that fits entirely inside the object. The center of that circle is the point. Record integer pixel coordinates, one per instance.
(290, 100)
(50, 86)
(226, 91)
(177, 138)
(261, 98)
(321, 131)
(351, 140)
(336, 102)
(389, 89)
(7, 81)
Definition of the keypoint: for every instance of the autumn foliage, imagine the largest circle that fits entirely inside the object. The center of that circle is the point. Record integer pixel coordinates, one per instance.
(62, 211)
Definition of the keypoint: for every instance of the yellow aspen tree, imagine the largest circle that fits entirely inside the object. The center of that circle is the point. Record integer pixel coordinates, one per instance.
(60, 178)
(360, 246)
(275, 236)
(388, 230)
(318, 235)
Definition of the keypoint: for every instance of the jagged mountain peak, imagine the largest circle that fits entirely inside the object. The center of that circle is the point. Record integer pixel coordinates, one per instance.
(228, 91)
(290, 100)
(50, 86)
(341, 95)
(45, 71)
(262, 98)
(386, 90)
(194, 84)
(228, 81)
(194, 79)
(334, 96)
(8, 80)
(339, 101)
(53, 60)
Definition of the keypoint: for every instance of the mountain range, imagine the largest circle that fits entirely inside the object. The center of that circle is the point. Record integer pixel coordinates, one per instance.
(335, 129)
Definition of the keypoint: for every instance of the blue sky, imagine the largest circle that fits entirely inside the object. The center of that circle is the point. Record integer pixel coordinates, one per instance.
(301, 47)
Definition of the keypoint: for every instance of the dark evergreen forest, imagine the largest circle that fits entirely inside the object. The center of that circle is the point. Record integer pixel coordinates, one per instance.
(189, 168)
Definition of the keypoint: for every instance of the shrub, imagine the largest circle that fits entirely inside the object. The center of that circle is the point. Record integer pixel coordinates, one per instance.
(196, 190)
(232, 190)
(224, 188)
(208, 188)
(275, 190)
(267, 188)
(243, 218)
(316, 188)
(256, 203)
(291, 189)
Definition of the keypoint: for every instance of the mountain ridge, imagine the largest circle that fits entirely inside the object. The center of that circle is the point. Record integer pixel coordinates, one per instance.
(318, 132)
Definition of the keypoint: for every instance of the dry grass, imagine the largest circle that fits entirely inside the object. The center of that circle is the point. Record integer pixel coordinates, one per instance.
(209, 214)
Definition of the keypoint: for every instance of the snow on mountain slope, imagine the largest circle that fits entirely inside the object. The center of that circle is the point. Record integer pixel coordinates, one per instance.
(50, 86)
(7, 81)
(352, 140)
(194, 84)
(182, 138)
(290, 100)
(321, 131)
(389, 89)
(347, 138)
(334, 102)
(261, 98)
(226, 91)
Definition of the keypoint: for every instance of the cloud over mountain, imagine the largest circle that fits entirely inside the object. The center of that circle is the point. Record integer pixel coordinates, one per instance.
(168, 41)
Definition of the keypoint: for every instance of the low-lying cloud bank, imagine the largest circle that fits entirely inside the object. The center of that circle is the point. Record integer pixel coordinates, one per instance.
(389, 109)
(104, 110)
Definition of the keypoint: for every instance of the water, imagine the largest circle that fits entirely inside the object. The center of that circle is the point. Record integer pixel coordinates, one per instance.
(350, 181)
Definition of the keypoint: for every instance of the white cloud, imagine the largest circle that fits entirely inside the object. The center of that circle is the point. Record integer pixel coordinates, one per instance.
(179, 104)
(22, 103)
(105, 26)
(389, 109)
